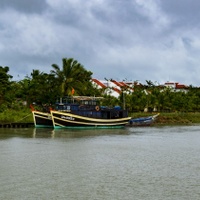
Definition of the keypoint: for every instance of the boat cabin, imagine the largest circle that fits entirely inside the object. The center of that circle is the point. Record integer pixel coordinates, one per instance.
(89, 107)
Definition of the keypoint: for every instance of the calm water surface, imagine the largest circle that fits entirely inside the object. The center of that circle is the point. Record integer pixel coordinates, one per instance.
(132, 163)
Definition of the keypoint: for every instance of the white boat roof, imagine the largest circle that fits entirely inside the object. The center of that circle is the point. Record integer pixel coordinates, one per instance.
(86, 98)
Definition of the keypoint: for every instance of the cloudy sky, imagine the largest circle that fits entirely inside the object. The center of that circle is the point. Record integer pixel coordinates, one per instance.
(157, 40)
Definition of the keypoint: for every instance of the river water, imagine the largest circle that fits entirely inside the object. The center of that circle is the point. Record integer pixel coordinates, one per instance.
(154, 163)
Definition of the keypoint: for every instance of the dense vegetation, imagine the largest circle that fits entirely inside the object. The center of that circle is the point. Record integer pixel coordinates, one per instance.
(73, 79)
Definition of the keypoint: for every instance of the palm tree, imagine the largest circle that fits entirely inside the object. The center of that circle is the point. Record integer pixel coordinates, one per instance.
(72, 77)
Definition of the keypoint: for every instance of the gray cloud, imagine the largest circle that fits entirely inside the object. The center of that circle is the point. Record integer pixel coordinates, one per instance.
(133, 39)
(25, 6)
(184, 13)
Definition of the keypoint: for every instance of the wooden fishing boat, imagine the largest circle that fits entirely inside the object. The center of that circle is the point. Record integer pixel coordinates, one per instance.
(143, 121)
(42, 119)
(86, 112)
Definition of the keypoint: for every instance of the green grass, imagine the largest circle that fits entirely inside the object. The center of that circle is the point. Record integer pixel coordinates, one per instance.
(25, 116)
(173, 118)
(180, 118)
(12, 116)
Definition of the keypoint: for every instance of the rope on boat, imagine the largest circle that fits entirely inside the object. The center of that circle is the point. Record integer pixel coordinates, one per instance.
(24, 117)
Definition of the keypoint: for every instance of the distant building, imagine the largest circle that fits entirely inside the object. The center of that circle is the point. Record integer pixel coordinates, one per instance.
(177, 87)
(115, 88)
(109, 87)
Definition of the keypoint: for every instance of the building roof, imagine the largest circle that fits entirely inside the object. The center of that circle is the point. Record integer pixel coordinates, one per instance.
(116, 87)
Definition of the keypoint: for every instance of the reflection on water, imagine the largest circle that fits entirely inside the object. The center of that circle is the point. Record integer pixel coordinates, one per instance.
(77, 133)
(74, 133)
(132, 163)
(6, 133)
(58, 133)
(43, 133)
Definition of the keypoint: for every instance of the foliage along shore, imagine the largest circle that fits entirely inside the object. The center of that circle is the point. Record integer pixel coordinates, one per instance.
(39, 88)
(175, 118)
(178, 119)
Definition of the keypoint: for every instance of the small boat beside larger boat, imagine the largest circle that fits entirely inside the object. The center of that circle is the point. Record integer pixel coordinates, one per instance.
(86, 112)
(143, 121)
(41, 119)
(81, 112)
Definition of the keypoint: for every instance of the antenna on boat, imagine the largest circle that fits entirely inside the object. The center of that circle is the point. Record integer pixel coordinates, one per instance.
(124, 103)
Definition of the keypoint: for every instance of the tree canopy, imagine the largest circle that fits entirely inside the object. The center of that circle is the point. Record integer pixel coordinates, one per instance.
(73, 79)
(5, 84)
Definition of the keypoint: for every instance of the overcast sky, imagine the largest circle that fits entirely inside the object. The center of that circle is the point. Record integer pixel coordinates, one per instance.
(157, 40)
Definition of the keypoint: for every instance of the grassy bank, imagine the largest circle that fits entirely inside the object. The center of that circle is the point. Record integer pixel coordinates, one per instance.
(178, 118)
(12, 116)
(173, 118)
(25, 116)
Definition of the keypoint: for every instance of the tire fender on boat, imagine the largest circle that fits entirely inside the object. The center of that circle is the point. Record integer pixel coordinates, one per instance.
(97, 108)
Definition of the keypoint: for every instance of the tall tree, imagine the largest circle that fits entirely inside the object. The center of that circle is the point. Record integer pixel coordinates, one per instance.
(42, 87)
(72, 77)
(5, 84)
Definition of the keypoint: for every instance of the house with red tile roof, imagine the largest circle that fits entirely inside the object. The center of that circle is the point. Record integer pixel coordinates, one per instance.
(177, 87)
(114, 88)
(111, 87)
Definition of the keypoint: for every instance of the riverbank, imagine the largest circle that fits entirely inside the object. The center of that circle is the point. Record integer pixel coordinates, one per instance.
(16, 116)
(178, 118)
(173, 118)
(25, 116)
